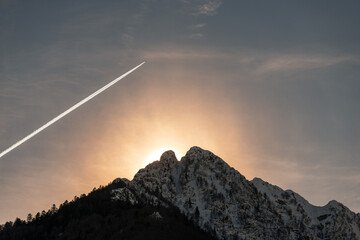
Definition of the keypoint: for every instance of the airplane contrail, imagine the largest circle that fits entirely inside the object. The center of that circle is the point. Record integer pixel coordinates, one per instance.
(68, 111)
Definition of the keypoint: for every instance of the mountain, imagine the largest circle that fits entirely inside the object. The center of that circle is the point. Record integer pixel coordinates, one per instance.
(199, 197)
(220, 200)
(100, 215)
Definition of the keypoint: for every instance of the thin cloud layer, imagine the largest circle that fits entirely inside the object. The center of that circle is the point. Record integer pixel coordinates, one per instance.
(197, 26)
(209, 8)
(289, 62)
(201, 7)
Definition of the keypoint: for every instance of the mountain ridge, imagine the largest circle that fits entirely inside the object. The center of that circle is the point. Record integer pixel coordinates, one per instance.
(200, 197)
(219, 198)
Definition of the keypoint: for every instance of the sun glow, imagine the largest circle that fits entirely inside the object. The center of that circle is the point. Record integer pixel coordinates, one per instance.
(155, 155)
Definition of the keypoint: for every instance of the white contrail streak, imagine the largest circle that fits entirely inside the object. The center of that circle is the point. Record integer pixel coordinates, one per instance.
(68, 111)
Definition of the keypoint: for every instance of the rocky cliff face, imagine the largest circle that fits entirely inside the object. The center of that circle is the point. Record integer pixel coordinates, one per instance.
(332, 221)
(220, 200)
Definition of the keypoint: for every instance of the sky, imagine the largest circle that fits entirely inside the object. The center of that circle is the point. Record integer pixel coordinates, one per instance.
(272, 87)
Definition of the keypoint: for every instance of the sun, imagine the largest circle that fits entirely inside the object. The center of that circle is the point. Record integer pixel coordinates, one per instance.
(155, 155)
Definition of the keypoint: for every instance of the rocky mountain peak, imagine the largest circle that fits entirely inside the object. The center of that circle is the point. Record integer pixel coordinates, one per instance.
(196, 151)
(168, 155)
(220, 200)
(197, 154)
(168, 158)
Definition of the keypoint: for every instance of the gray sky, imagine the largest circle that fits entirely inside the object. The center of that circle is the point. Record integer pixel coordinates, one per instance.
(272, 87)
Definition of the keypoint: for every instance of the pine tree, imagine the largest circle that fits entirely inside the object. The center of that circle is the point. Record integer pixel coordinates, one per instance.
(53, 209)
(29, 218)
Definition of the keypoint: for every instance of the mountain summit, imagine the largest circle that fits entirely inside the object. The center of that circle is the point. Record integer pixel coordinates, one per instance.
(198, 197)
(220, 200)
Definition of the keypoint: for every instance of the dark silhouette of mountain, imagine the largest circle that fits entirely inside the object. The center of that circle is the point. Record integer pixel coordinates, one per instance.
(199, 197)
(99, 216)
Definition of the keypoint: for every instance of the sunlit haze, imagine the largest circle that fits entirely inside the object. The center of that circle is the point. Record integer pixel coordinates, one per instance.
(271, 87)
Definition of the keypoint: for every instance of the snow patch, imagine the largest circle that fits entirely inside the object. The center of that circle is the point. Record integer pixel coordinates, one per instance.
(156, 215)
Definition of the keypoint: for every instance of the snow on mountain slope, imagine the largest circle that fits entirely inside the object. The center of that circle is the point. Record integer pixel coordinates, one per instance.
(220, 200)
(331, 221)
(294, 202)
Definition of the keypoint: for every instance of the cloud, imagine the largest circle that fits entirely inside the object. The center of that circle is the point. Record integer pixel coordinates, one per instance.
(181, 54)
(253, 62)
(201, 7)
(197, 26)
(262, 63)
(195, 35)
(127, 37)
(174, 55)
(297, 61)
(209, 8)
